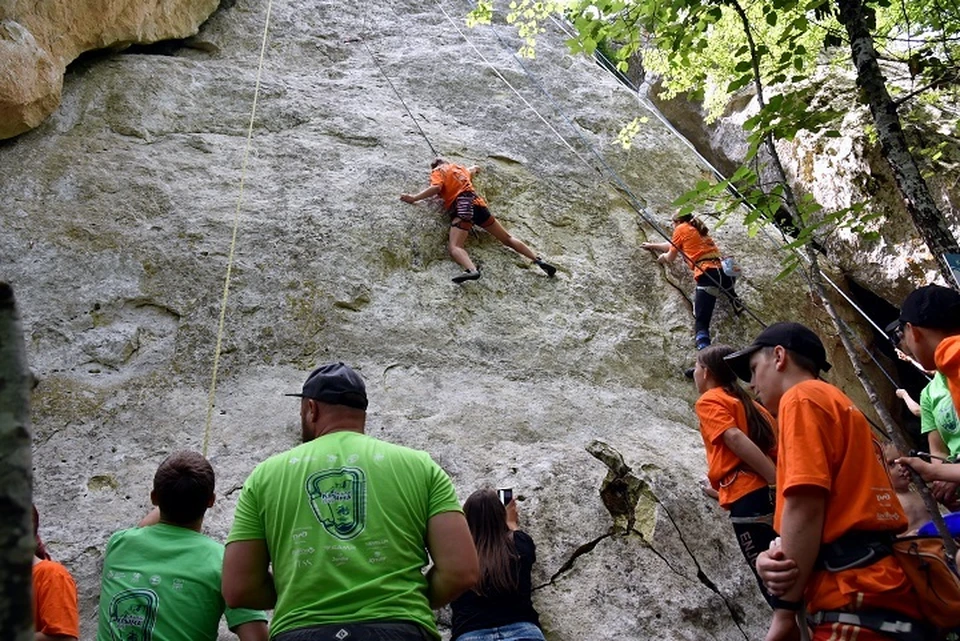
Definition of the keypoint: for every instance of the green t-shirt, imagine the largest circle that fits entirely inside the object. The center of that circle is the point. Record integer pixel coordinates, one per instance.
(938, 413)
(345, 520)
(163, 582)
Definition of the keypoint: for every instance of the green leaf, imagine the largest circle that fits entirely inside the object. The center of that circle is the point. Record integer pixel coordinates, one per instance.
(771, 18)
(743, 65)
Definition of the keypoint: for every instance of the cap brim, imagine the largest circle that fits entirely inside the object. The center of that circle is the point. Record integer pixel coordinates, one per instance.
(739, 362)
(298, 394)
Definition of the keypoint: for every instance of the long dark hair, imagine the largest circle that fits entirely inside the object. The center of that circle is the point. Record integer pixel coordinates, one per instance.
(696, 223)
(487, 519)
(759, 428)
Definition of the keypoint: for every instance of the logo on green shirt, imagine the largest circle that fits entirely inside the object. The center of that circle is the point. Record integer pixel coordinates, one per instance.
(133, 613)
(338, 498)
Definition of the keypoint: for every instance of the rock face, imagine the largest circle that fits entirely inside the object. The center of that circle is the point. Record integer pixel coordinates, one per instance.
(39, 39)
(117, 217)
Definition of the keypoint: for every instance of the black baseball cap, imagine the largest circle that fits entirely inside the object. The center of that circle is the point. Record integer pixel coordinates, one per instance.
(336, 384)
(932, 306)
(793, 336)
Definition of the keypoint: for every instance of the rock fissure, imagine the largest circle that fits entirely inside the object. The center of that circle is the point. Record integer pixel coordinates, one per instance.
(586, 548)
(736, 613)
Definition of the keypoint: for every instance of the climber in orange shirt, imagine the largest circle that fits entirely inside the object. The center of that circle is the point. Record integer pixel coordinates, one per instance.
(454, 184)
(930, 326)
(691, 239)
(836, 510)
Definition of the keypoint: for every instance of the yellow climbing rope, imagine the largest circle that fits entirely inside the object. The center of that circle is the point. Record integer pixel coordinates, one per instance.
(233, 240)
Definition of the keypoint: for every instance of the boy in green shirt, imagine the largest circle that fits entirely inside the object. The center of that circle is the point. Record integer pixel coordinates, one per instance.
(162, 582)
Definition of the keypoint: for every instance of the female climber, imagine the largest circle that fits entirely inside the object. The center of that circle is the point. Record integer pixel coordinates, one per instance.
(702, 255)
(499, 607)
(453, 183)
(741, 446)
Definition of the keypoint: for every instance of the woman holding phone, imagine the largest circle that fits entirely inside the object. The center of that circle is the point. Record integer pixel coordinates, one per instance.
(499, 608)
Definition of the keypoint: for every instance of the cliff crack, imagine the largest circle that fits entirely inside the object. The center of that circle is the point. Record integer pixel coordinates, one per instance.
(586, 548)
(736, 613)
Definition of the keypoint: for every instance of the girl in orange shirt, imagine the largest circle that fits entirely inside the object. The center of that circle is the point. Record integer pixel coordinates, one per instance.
(690, 238)
(741, 447)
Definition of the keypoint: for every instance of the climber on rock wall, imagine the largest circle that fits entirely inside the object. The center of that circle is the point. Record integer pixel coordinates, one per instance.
(453, 183)
(700, 252)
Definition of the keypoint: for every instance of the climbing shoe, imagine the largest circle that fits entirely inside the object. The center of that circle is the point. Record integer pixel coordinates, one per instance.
(467, 275)
(549, 269)
(702, 340)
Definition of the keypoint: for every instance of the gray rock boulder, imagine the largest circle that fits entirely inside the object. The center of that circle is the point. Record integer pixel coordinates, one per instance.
(39, 39)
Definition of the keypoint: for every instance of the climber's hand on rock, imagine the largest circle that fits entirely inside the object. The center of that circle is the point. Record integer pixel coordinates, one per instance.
(407, 198)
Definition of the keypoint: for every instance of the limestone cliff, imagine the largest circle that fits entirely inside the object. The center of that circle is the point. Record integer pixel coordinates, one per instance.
(117, 219)
(39, 39)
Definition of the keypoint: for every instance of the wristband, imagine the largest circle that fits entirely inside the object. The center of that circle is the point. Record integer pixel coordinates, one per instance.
(782, 604)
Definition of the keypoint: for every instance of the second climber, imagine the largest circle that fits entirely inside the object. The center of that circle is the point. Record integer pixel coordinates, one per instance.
(700, 252)
(454, 184)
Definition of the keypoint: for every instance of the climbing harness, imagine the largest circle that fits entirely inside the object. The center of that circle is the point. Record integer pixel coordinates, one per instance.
(403, 102)
(233, 239)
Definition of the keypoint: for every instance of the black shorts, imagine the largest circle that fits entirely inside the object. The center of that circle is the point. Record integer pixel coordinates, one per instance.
(466, 213)
(367, 631)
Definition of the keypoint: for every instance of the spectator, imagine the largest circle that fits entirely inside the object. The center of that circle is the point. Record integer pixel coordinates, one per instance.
(499, 608)
(161, 580)
(836, 510)
(55, 613)
(929, 328)
(741, 446)
(454, 184)
(930, 325)
(910, 500)
(690, 237)
(343, 519)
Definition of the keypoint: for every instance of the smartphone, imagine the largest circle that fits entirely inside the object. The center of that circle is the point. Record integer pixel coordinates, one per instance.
(505, 495)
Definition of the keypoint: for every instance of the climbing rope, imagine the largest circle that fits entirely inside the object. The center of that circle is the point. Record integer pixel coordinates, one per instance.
(233, 239)
(617, 181)
(403, 102)
(512, 88)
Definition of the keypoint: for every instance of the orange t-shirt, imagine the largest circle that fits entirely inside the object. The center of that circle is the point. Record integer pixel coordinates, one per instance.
(55, 610)
(825, 442)
(947, 358)
(453, 180)
(718, 412)
(695, 248)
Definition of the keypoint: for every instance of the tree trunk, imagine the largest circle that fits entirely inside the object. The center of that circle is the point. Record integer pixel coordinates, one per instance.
(893, 144)
(16, 526)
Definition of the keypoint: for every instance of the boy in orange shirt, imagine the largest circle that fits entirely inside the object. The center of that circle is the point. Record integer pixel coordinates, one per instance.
(930, 324)
(836, 509)
(454, 184)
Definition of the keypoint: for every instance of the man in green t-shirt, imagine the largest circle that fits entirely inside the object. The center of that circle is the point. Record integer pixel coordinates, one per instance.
(344, 519)
(161, 580)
